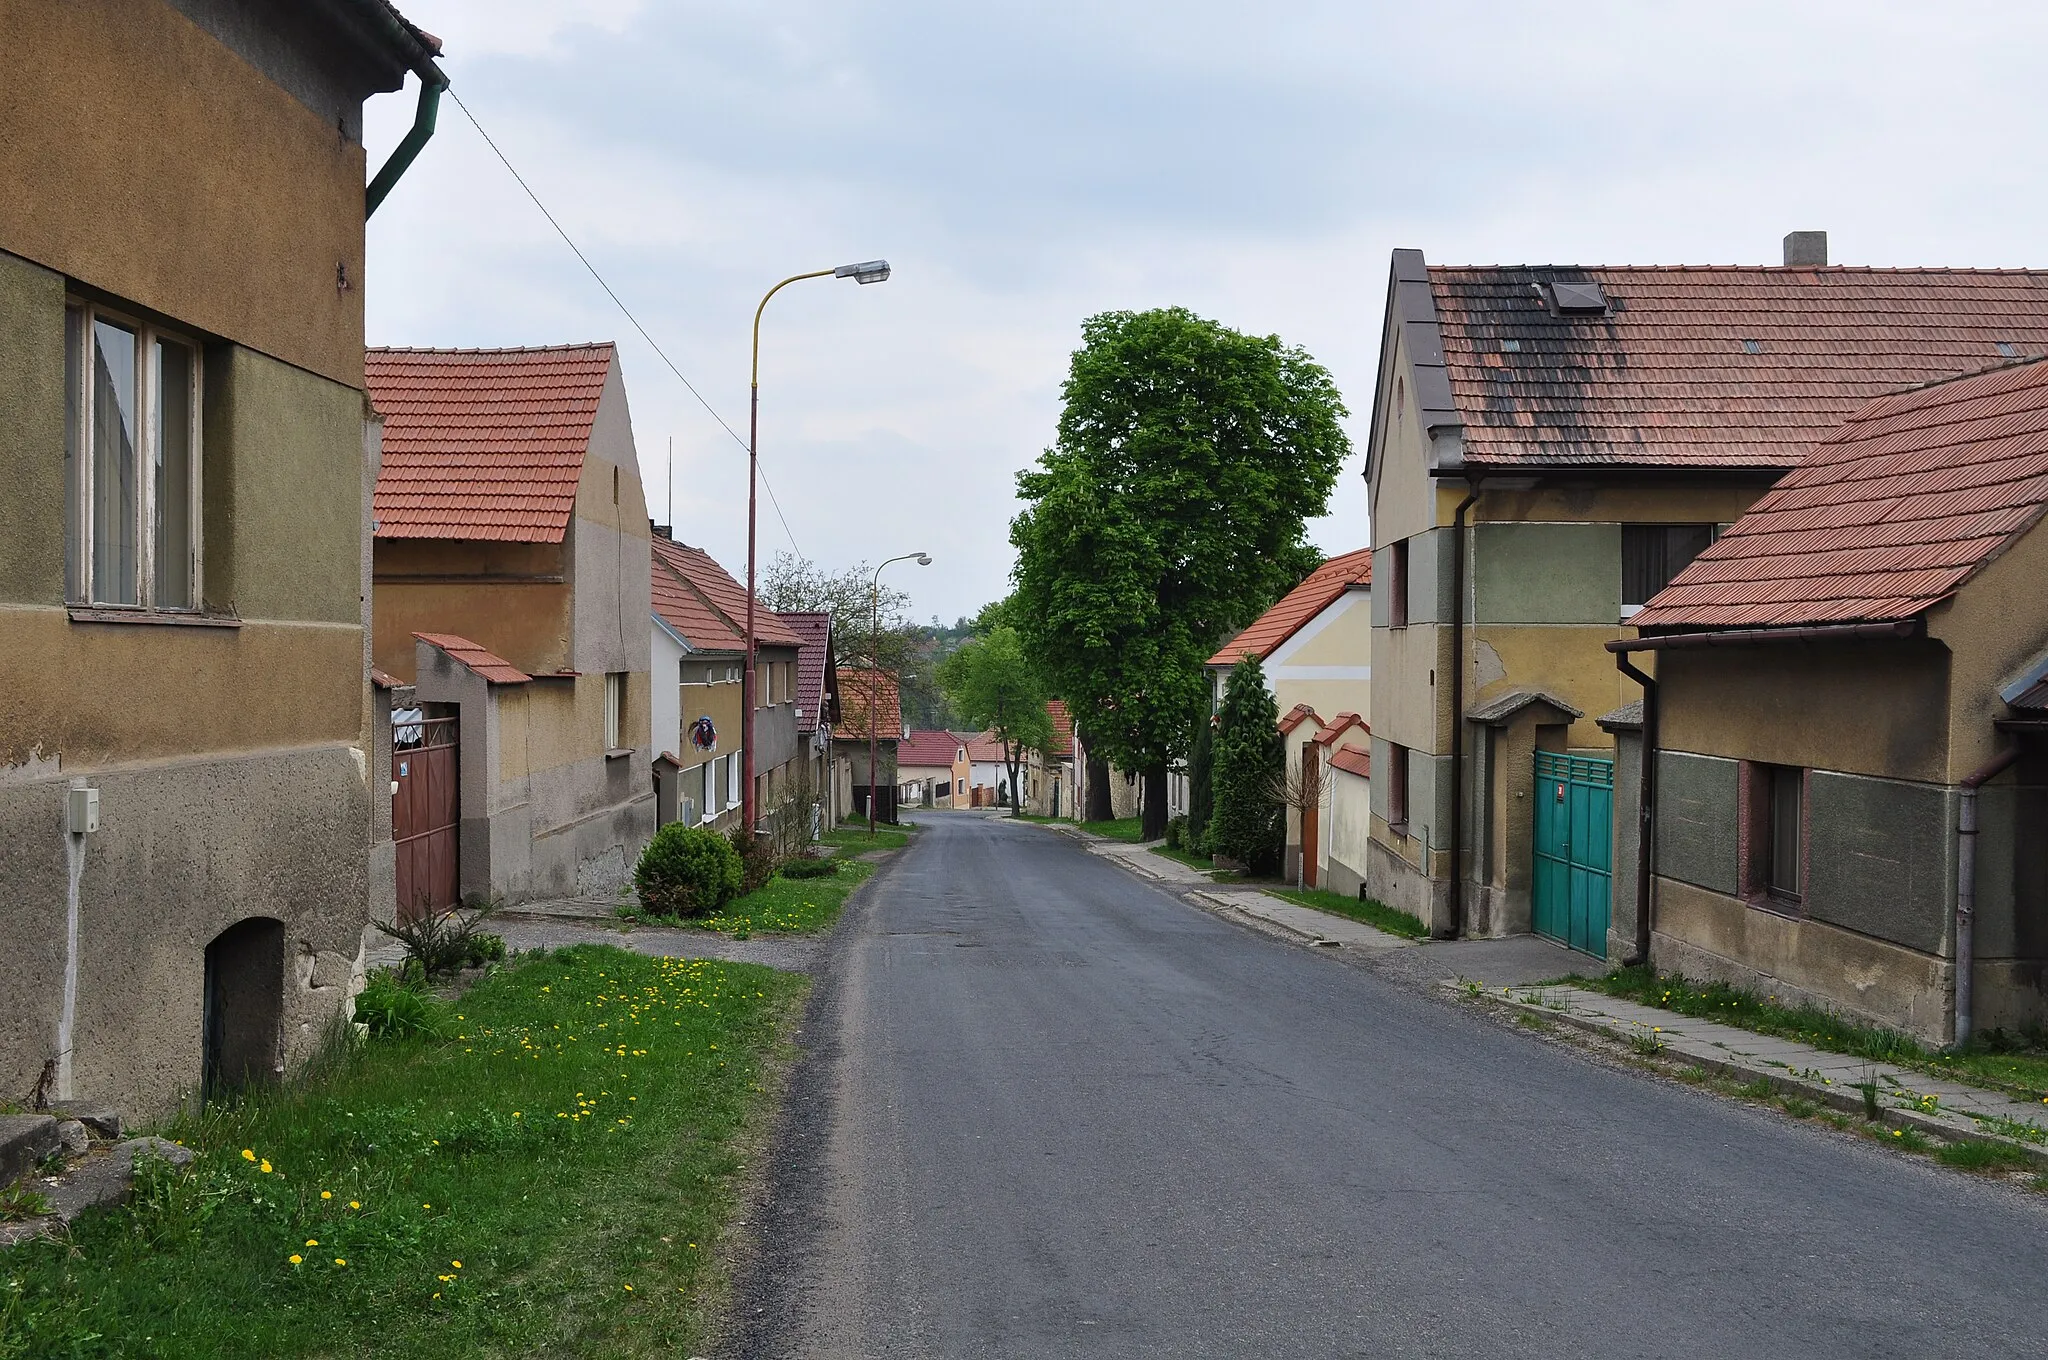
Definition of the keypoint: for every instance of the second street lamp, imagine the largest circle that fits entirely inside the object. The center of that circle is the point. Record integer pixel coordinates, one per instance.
(868, 271)
(875, 676)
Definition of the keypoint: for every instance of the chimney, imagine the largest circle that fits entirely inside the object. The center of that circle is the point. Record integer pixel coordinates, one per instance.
(1806, 249)
(661, 531)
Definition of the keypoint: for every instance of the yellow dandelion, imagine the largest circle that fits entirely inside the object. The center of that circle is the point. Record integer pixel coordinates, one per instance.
(295, 1258)
(355, 1204)
(264, 1167)
(312, 1241)
(456, 1264)
(247, 1155)
(327, 1194)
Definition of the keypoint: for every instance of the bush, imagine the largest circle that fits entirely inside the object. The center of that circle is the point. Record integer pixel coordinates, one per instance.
(1177, 833)
(1249, 821)
(686, 871)
(389, 1009)
(809, 868)
(756, 855)
(485, 948)
(439, 943)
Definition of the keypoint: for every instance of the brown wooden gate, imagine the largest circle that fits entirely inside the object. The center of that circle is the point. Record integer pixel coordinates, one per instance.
(426, 812)
(1311, 812)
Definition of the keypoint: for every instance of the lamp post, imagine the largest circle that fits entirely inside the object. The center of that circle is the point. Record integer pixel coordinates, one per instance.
(875, 675)
(868, 271)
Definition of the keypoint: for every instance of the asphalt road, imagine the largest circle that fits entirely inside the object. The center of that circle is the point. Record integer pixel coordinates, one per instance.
(1048, 1110)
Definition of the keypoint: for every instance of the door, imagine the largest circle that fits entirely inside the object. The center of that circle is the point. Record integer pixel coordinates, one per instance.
(1311, 813)
(426, 811)
(1574, 850)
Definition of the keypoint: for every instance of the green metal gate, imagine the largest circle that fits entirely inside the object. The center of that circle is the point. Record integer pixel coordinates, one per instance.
(1574, 850)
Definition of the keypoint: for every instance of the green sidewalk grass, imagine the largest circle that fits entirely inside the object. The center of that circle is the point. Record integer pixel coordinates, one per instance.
(1365, 910)
(1122, 829)
(790, 905)
(550, 1179)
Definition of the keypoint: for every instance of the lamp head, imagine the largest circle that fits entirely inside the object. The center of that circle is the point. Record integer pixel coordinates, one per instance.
(924, 559)
(867, 271)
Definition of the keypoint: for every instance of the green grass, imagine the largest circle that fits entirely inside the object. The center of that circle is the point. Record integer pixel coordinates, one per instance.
(1122, 829)
(790, 905)
(1970, 1155)
(1187, 857)
(855, 839)
(582, 1133)
(1376, 914)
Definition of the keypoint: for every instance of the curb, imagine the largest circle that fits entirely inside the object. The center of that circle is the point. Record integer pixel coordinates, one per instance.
(1224, 907)
(1953, 1128)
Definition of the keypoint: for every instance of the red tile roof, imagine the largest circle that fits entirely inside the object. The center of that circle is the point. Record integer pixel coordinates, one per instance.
(483, 443)
(1062, 729)
(1296, 716)
(985, 748)
(1351, 760)
(927, 748)
(814, 641)
(681, 608)
(1339, 725)
(491, 667)
(854, 685)
(1710, 367)
(1317, 592)
(1885, 517)
(693, 572)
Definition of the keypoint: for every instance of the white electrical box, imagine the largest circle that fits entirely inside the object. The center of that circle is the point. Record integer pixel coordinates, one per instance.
(82, 811)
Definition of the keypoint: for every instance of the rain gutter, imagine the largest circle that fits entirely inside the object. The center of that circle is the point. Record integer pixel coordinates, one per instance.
(432, 82)
(1966, 887)
(1457, 900)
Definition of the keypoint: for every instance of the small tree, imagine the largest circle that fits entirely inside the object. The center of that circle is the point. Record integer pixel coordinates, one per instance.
(1201, 791)
(1300, 791)
(994, 685)
(1250, 821)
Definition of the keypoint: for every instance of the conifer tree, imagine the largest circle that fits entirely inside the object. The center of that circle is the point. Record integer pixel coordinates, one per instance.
(1249, 822)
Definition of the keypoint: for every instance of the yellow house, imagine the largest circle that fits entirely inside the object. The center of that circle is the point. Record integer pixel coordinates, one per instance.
(1846, 715)
(1549, 446)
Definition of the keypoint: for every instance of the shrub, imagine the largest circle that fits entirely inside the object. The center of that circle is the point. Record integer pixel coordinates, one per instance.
(1250, 822)
(485, 948)
(389, 1009)
(809, 868)
(439, 943)
(1177, 833)
(757, 859)
(686, 871)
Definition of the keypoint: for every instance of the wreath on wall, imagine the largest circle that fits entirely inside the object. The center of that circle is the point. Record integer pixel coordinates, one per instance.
(703, 734)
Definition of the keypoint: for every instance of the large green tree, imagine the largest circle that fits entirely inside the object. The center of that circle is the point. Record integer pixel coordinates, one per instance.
(1167, 515)
(1249, 821)
(992, 683)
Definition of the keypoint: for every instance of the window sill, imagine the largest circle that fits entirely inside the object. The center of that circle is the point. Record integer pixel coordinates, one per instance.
(1399, 829)
(1790, 909)
(160, 618)
(618, 753)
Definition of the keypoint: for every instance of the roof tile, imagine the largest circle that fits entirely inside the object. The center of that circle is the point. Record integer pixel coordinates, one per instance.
(1317, 591)
(490, 666)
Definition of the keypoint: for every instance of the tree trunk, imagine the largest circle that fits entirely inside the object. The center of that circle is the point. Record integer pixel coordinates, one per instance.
(1010, 760)
(1152, 817)
(1099, 809)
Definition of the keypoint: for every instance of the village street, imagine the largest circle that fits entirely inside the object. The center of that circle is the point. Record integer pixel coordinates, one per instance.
(1048, 1109)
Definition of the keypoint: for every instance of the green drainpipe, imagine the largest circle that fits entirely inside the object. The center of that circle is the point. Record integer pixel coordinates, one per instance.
(415, 141)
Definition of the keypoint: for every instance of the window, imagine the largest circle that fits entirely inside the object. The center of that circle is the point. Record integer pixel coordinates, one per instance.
(1397, 788)
(1785, 824)
(959, 786)
(714, 782)
(1651, 554)
(614, 708)
(1397, 585)
(131, 458)
(732, 773)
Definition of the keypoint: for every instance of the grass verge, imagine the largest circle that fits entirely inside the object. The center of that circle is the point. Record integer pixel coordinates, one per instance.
(2013, 1064)
(1378, 915)
(1122, 829)
(550, 1181)
(790, 905)
(854, 838)
(1187, 857)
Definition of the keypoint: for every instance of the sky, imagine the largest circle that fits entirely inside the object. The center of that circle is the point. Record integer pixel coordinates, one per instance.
(1024, 166)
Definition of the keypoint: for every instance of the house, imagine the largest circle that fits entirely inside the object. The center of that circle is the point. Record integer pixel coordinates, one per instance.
(511, 587)
(924, 768)
(1341, 836)
(700, 615)
(189, 772)
(817, 704)
(863, 690)
(1851, 762)
(1548, 447)
(1315, 646)
(1059, 799)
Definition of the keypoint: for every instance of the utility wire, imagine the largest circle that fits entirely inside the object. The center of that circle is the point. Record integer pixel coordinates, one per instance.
(624, 310)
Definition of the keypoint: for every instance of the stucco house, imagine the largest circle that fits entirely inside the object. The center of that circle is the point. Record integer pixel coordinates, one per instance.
(861, 690)
(1549, 446)
(817, 703)
(189, 777)
(510, 590)
(1851, 767)
(924, 768)
(1315, 647)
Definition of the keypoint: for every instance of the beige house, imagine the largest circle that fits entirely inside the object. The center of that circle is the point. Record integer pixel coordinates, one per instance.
(1549, 446)
(1315, 647)
(188, 784)
(511, 591)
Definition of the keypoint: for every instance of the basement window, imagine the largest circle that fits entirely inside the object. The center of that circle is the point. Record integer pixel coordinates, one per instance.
(1773, 839)
(1653, 554)
(1397, 789)
(1397, 585)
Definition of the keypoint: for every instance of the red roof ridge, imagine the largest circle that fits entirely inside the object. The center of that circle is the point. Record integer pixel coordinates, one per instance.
(1338, 726)
(478, 658)
(492, 349)
(1297, 715)
(1747, 268)
(1310, 596)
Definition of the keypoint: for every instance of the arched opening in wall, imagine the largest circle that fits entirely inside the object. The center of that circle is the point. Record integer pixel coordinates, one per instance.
(244, 1005)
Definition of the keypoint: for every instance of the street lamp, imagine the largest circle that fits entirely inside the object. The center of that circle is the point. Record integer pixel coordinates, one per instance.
(868, 271)
(875, 671)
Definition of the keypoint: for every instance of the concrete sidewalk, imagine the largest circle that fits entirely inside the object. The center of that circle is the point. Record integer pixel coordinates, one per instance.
(1908, 1098)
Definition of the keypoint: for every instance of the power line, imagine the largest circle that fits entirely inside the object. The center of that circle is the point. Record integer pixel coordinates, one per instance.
(624, 310)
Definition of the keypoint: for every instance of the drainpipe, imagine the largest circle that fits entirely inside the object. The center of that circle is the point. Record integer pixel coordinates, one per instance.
(1646, 801)
(414, 142)
(1966, 887)
(1458, 709)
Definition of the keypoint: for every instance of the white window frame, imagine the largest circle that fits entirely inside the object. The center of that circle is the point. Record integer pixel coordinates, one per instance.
(79, 533)
(614, 708)
(732, 790)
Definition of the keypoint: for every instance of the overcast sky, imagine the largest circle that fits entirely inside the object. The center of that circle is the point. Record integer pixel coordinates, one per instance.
(1023, 166)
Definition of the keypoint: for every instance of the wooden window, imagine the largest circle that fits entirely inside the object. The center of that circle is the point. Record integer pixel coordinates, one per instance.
(1397, 585)
(131, 455)
(1652, 554)
(1397, 788)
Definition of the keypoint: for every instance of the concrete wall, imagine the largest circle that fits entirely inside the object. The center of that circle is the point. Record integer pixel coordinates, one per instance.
(1346, 832)
(514, 598)
(665, 698)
